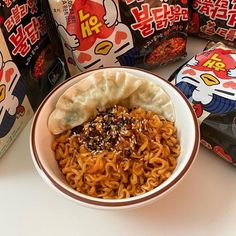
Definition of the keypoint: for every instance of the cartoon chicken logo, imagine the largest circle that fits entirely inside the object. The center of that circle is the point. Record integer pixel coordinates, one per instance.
(209, 81)
(94, 34)
(11, 95)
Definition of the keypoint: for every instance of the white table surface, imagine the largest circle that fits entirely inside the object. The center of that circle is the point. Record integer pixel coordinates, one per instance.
(204, 203)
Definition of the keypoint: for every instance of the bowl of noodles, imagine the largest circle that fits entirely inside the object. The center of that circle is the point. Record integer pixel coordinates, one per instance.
(114, 138)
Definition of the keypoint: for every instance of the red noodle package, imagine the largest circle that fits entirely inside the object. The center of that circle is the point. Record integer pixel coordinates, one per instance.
(214, 20)
(208, 81)
(99, 33)
(28, 67)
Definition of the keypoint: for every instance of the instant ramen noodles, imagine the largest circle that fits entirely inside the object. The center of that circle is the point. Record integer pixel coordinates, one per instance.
(121, 153)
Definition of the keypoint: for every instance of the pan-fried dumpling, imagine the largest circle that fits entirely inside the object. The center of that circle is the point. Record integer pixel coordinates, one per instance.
(102, 90)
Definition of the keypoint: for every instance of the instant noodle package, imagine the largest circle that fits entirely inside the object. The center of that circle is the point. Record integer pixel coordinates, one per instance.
(213, 20)
(29, 68)
(208, 81)
(100, 33)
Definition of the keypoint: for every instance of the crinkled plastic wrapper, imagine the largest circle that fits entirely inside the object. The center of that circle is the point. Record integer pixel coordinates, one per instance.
(208, 81)
(29, 68)
(213, 20)
(101, 33)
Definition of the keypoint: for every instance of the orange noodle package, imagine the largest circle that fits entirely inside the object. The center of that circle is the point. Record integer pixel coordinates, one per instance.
(208, 81)
(214, 20)
(29, 69)
(100, 33)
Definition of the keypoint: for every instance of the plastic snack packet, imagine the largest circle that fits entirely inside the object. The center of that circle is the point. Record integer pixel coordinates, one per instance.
(29, 69)
(214, 20)
(100, 33)
(208, 81)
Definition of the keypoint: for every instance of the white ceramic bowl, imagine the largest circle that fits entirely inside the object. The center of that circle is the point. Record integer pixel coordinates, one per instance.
(43, 157)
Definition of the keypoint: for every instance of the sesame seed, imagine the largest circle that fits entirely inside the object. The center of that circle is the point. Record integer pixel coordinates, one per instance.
(110, 128)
